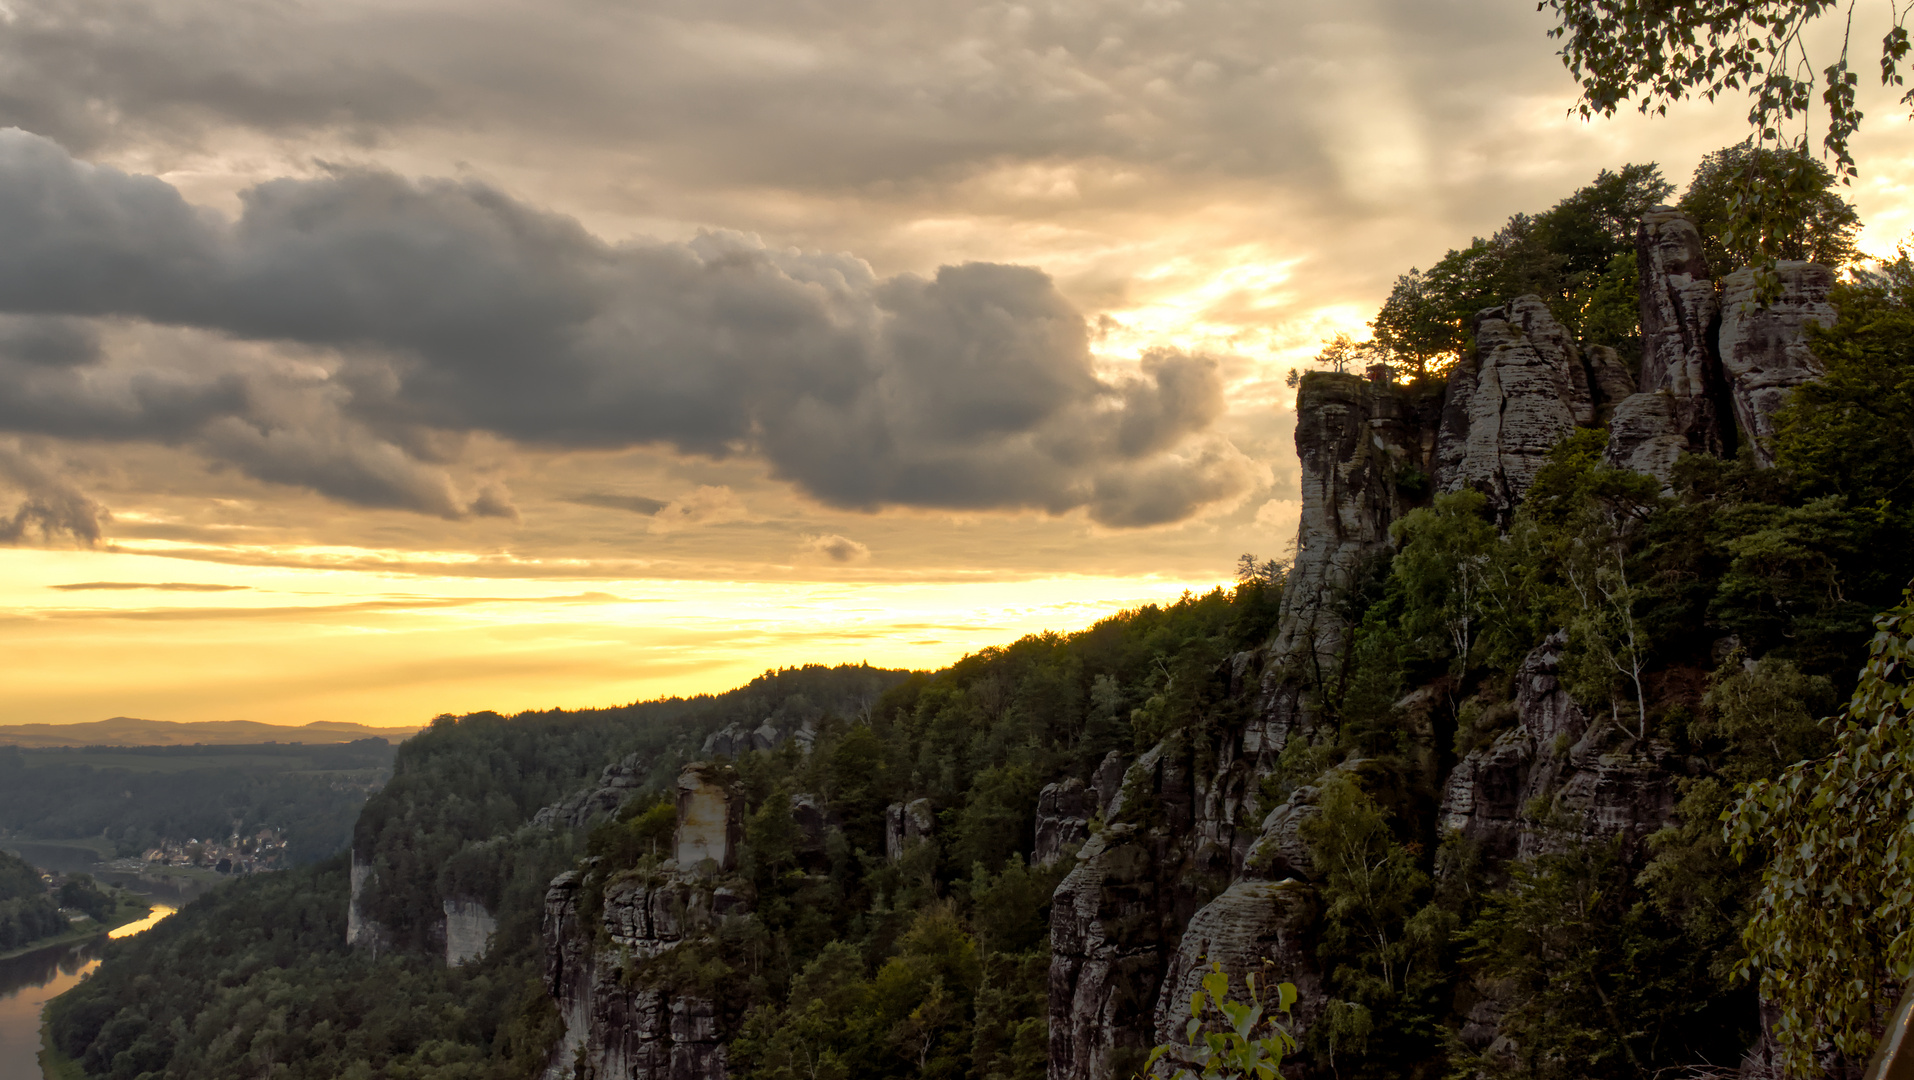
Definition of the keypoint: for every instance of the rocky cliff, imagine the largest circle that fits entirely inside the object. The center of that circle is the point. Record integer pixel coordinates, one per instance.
(625, 1016)
(1190, 868)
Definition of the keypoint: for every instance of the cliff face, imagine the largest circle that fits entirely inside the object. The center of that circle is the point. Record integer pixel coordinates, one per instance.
(621, 1019)
(1189, 870)
(1526, 386)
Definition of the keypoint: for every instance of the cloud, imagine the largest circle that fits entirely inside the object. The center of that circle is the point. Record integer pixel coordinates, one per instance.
(707, 504)
(835, 548)
(52, 507)
(438, 309)
(162, 586)
(637, 504)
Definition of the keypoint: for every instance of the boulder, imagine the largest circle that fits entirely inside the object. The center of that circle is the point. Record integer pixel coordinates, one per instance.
(1764, 348)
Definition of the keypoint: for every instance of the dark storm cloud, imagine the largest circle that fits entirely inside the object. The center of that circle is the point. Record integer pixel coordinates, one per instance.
(759, 92)
(454, 308)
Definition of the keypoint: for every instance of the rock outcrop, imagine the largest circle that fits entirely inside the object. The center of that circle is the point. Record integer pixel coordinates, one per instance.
(362, 931)
(1255, 927)
(1764, 348)
(468, 931)
(1364, 447)
(905, 824)
(616, 1026)
(1586, 781)
(710, 818)
(1106, 958)
(1526, 386)
(737, 740)
(620, 1020)
(1063, 819)
(614, 786)
(1682, 403)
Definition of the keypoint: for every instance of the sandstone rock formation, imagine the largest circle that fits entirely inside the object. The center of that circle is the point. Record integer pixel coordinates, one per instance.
(1682, 400)
(1526, 386)
(468, 931)
(1063, 819)
(710, 818)
(616, 1027)
(905, 824)
(616, 784)
(1107, 958)
(1365, 451)
(1598, 779)
(363, 932)
(1764, 348)
(737, 740)
(1259, 927)
(617, 1021)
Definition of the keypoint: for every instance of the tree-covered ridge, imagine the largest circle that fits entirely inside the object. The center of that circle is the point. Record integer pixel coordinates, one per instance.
(1702, 625)
(137, 797)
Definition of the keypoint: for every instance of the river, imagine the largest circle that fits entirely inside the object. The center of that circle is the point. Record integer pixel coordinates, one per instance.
(29, 981)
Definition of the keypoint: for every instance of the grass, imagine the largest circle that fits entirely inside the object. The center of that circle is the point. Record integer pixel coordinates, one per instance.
(55, 1065)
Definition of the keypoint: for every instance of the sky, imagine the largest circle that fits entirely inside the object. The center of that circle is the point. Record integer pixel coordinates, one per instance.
(369, 361)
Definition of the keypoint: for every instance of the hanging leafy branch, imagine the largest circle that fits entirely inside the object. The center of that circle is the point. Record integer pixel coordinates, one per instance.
(1832, 936)
(1657, 52)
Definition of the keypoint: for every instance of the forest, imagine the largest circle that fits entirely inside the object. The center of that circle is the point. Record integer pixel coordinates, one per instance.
(1719, 622)
(136, 796)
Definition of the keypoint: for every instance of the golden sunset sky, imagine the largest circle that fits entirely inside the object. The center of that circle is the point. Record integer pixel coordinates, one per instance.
(366, 361)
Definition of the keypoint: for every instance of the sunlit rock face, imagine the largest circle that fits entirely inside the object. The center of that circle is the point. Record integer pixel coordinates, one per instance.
(1524, 389)
(468, 931)
(1764, 348)
(710, 818)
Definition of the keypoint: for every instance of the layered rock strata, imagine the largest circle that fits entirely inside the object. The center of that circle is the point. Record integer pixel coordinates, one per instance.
(1526, 386)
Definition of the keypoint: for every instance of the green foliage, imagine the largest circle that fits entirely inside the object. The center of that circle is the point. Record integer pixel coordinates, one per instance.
(1578, 257)
(1383, 944)
(1251, 1044)
(1603, 985)
(82, 893)
(254, 979)
(1800, 215)
(136, 796)
(1830, 936)
(1851, 433)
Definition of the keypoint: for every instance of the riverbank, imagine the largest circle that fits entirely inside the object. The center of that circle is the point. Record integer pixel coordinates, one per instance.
(129, 911)
(55, 1065)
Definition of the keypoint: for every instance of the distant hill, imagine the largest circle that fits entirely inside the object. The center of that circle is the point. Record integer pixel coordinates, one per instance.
(132, 731)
